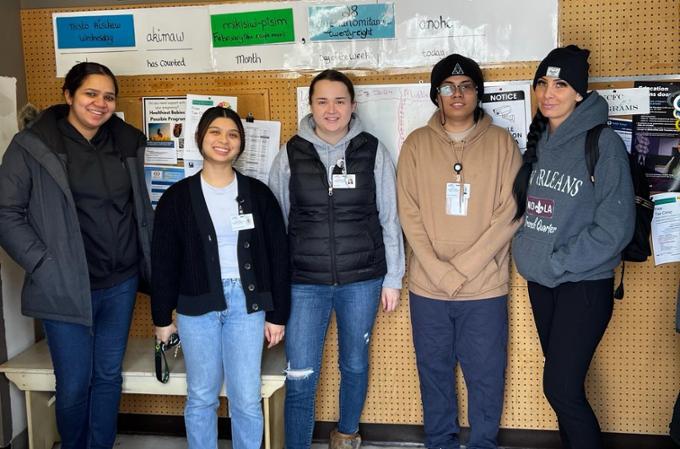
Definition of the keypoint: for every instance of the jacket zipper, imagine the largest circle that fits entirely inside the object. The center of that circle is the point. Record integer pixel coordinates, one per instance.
(331, 225)
(114, 248)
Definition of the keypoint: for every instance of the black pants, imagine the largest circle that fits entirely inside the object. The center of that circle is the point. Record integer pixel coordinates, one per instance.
(571, 319)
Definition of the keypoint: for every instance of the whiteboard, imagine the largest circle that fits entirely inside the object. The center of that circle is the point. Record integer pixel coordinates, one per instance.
(392, 111)
(388, 111)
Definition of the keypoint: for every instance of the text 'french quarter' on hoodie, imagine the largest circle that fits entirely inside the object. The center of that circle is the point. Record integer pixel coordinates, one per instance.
(574, 229)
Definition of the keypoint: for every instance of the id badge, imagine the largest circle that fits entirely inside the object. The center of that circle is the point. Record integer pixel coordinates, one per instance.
(457, 198)
(241, 222)
(344, 181)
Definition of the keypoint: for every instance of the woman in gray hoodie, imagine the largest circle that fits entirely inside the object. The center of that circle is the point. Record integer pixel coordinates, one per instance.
(336, 185)
(574, 231)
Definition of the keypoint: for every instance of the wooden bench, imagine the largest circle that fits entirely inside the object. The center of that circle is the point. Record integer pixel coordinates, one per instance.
(31, 371)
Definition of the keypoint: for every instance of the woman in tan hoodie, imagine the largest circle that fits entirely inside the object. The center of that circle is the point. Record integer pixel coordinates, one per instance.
(456, 207)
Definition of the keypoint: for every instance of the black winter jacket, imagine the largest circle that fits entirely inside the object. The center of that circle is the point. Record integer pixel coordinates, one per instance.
(186, 267)
(39, 226)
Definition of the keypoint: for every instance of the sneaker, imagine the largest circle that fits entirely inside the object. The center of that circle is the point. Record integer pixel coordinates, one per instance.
(344, 441)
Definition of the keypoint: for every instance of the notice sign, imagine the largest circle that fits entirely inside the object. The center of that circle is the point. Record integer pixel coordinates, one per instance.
(351, 22)
(252, 28)
(96, 31)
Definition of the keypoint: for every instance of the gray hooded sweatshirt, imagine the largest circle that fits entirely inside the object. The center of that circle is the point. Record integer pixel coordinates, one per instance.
(575, 230)
(385, 183)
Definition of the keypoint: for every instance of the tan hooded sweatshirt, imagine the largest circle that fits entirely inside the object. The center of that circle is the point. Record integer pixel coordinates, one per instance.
(458, 257)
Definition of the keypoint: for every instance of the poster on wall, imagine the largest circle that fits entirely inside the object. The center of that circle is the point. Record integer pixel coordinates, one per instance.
(134, 41)
(159, 178)
(302, 35)
(391, 111)
(509, 106)
(624, 128)
(262, 146)
(486, 31)
(255, 36)
(626, 101)
(666, 228)
(164, 129)
(656, 137)
(346, 35)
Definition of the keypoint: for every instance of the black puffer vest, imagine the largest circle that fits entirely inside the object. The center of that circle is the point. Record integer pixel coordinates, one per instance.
(335, 234)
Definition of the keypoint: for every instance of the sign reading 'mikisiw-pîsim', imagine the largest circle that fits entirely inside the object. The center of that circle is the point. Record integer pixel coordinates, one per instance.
(108, 31)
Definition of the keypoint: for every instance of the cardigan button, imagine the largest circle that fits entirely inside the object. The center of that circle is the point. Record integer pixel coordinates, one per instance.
(251, 287)
(255, 307)
(247, 266)
(246, 244)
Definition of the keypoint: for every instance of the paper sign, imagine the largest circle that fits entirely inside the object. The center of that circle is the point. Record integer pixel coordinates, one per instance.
(96, 31)
(252, 28)
(351, 22)
(666, 227)
(159, 179)
(627, 101)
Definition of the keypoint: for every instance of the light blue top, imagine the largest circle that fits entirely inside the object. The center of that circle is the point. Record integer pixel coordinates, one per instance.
(222, 205)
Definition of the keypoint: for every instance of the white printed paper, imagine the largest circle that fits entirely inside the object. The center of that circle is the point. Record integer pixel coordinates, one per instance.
(666, 227)
(262, 145)
(164, 129)
(626, 101)
(509, 105)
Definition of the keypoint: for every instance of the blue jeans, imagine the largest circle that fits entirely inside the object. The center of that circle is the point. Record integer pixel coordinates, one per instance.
(221, 346)
(355, 308)
(87, 365)
(474, 333)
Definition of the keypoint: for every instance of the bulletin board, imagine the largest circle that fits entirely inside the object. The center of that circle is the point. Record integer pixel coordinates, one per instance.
(635, 376)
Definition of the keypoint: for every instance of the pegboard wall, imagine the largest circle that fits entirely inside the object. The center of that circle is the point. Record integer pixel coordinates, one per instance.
(635, 376)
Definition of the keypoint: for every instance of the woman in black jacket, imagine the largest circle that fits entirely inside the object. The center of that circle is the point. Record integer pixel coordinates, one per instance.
(75, 214)
(220, 258)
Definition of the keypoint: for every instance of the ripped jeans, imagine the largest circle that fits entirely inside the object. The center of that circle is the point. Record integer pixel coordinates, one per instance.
(355, 306)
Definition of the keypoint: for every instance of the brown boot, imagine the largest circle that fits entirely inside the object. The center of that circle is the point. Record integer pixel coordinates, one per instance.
(344, 441)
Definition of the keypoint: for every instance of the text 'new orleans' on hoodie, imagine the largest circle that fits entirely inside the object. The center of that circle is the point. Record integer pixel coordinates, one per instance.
(574, 229)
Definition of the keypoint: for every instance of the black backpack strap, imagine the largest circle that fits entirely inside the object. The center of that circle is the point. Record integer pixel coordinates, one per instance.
(618, 293)
(592, 149)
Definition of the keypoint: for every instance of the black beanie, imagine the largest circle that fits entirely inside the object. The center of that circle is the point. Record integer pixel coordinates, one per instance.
(455, 64)
(568, 63)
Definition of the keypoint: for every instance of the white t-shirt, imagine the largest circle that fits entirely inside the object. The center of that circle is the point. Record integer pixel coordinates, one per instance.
(222, 205)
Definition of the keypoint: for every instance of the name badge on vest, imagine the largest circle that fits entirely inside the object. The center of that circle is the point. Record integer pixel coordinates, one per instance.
(344, 181)
(457, 198)
(242, 222)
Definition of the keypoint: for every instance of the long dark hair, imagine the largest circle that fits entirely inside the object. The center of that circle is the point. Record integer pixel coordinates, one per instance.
(214, 113)
(521, 184)
(76, 76)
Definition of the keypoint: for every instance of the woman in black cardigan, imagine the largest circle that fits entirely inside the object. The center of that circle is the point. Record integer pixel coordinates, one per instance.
(220, 258)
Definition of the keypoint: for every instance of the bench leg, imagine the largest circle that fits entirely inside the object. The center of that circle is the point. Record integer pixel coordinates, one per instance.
(42, 420)
(273, 420)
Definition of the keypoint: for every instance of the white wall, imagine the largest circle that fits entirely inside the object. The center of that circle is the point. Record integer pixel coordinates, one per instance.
(19, 332)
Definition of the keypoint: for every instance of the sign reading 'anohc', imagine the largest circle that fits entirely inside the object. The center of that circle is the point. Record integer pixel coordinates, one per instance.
(252, 28)
(96, 31)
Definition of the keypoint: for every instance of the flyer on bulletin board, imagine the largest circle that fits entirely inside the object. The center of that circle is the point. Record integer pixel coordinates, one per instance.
(666, 227)
(164, 129)
(159, 178)
(656, 140)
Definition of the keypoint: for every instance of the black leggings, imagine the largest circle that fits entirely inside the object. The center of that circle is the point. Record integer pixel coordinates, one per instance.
(571, 319)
